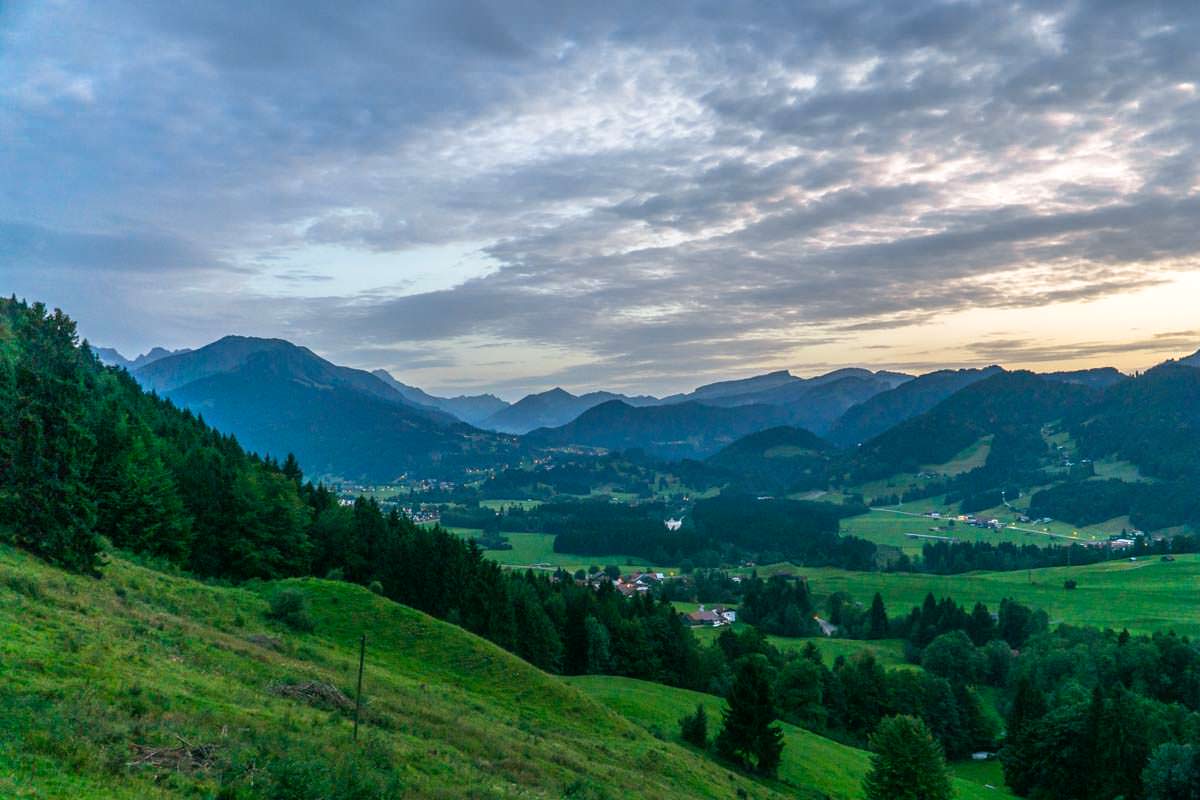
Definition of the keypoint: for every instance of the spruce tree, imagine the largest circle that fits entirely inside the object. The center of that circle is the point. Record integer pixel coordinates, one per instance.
(748, 735)
(907, 763)
(1019, 754)
(877, 619)
(46, 498)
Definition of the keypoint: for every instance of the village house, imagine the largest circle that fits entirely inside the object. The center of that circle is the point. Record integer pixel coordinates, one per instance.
(715, 617)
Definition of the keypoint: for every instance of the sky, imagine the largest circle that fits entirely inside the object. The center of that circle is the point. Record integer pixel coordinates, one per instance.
(508, 196)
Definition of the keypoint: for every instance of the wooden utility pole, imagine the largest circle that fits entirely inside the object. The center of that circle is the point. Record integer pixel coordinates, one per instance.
(362, 657)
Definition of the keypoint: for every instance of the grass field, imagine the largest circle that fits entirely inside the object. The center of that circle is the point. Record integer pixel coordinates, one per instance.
(534, 549)
(972, 457)
(496, 505)
(91, 670)
(1145, 596)
(810, 761)
(893, 524)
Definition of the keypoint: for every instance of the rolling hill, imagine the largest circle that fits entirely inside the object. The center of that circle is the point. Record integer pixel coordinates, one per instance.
(683, 430)
(1099, 378)
(147, 685)
(777, 459)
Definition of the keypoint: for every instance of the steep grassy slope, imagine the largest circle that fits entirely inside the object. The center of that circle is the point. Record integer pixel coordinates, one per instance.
(94, 672)
(810, 761)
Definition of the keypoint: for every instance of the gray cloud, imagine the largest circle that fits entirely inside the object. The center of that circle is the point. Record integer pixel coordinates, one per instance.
(658, 191)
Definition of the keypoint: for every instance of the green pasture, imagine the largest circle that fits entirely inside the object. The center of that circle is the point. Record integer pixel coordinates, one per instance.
(819, 767)
(1144, 596)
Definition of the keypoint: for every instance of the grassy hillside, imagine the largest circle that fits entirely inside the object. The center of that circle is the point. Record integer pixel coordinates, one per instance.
(145, 685)
(809, 760)
(1144, 596)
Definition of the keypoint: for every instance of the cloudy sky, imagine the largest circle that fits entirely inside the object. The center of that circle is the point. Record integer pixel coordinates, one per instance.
(511, 195)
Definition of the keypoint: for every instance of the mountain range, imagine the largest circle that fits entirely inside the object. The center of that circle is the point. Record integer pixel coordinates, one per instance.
(551, 409)
(113, 358)
(472, 409)
(278, 397)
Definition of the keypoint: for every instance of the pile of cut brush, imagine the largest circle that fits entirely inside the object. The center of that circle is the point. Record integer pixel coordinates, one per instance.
(315, 693)
(184, 757)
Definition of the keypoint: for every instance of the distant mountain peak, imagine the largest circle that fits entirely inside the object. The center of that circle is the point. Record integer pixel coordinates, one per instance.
(472, 409)
(113, 358)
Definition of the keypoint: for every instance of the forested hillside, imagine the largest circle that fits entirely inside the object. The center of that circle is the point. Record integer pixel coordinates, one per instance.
(888, 409)
(1010, 405)
(1152, 421)
(782, 459)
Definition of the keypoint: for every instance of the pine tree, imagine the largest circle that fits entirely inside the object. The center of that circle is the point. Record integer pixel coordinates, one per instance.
(907, 763)
(877, 619)
(748, 736)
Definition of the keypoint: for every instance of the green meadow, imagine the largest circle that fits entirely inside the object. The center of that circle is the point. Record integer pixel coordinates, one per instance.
(1144, 596)
(812, 764)
(147, 685)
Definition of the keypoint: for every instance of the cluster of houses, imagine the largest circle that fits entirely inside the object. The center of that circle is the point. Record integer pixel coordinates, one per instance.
(714, 617)
(966, 519)
(430, 515)
(628, 585)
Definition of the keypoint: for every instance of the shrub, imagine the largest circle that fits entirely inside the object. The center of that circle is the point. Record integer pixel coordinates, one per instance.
(376, 587)
(1069, 584)
(289, 607)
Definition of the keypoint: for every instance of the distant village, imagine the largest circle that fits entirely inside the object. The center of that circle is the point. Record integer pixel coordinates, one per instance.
(1121, 542)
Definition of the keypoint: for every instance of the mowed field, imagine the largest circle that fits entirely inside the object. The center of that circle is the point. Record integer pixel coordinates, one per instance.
(1144, 596)
(833, 770)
